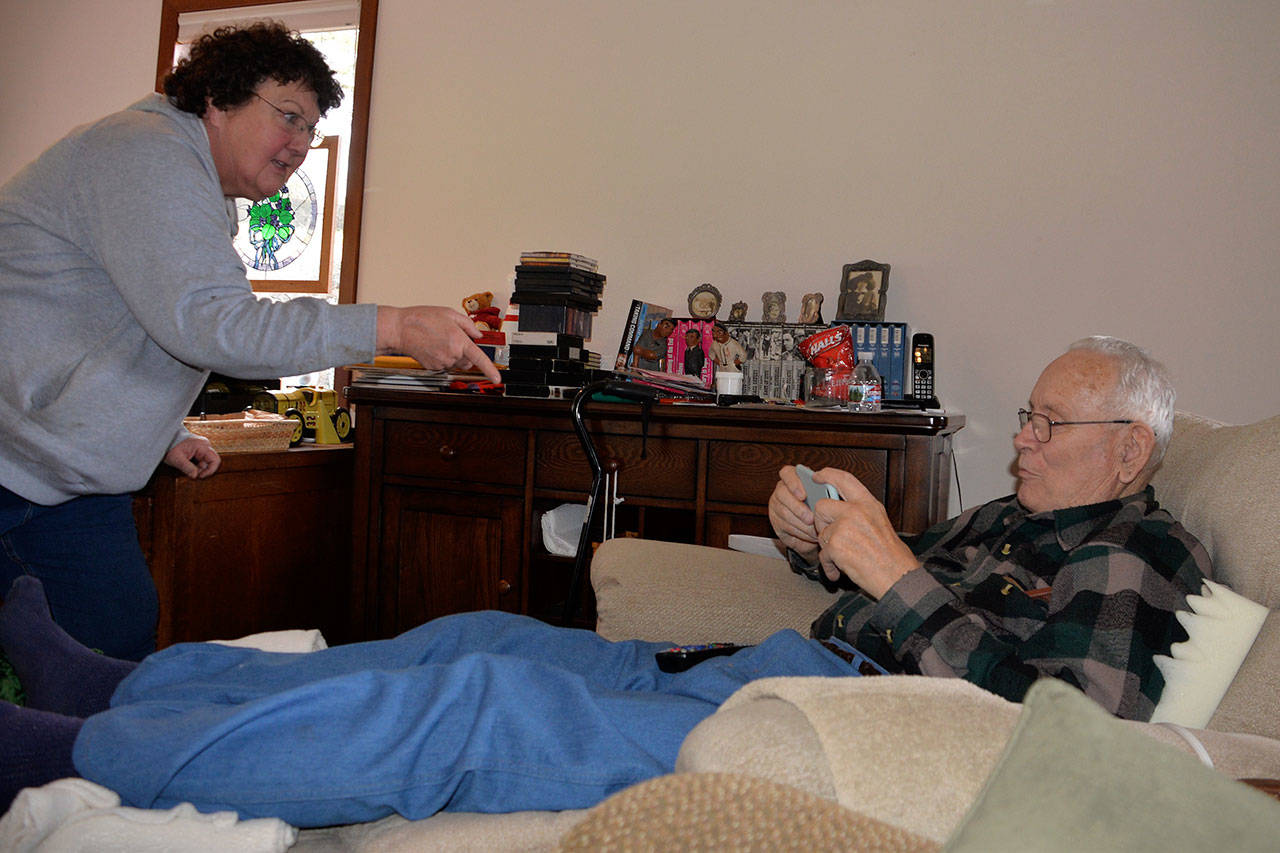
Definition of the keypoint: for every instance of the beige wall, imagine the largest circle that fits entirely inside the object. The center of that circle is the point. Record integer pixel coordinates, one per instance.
(1034, 171)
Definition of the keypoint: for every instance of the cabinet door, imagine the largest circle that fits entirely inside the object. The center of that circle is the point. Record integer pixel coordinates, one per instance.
(720, 525)
(445, 552)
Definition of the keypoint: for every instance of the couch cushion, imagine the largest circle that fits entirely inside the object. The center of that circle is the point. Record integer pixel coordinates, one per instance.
(1074, 778)
(1220, 482)
(1250, 703)
(670, 592)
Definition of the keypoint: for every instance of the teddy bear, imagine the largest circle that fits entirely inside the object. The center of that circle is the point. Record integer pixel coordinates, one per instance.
(479, 307)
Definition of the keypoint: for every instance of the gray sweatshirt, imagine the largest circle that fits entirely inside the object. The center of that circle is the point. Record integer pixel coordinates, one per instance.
(119, 291)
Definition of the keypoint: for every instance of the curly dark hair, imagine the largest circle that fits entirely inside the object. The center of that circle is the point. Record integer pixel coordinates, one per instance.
(225, 67)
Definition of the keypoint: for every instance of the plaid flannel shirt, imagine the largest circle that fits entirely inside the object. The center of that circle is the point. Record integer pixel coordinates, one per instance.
(1085, 594)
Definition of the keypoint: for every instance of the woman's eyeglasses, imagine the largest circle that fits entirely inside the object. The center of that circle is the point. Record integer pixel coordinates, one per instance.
(297, 123)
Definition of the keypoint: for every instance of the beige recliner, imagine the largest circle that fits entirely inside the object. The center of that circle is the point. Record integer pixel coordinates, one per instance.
(915, 752)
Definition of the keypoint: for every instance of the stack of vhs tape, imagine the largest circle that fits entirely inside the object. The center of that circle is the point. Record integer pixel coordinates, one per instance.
(556, 296)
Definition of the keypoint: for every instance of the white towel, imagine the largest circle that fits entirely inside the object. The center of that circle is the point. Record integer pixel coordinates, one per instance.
(77, 816)
(292, 640)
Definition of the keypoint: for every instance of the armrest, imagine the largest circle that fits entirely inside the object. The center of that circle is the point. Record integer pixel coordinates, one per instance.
(672, 592)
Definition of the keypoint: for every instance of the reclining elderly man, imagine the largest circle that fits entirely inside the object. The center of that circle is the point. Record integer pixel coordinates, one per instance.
(1077, 577)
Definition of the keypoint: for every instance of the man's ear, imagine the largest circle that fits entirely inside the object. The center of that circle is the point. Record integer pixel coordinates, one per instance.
(1136, 447)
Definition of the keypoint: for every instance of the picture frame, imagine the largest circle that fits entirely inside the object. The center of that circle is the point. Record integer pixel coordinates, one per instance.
(286, 241)
(863, 289)
(704, 302)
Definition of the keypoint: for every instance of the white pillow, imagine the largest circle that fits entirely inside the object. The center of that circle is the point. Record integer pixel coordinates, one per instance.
(1222, 626)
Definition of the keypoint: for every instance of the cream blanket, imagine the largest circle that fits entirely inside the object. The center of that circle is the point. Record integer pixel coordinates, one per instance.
(908, 750)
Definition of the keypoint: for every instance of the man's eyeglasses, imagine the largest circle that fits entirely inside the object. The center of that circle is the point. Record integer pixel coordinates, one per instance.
(1042, 426)
(297, 123)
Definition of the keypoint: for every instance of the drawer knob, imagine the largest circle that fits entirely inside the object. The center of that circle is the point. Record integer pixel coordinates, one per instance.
(504, 587)
(612, 465)
(448, 453)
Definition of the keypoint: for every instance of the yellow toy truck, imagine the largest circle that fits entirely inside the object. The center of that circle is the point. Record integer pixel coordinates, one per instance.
(316, 411)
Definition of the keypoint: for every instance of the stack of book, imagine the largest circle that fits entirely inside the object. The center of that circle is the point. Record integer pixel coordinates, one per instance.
(556, 295)
(398, 371)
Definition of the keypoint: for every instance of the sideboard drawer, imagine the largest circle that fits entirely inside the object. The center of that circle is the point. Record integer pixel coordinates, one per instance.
(745, 473)
(668, 469)
(454, 452)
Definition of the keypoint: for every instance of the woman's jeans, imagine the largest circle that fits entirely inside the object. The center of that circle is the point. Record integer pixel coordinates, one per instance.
(484, 712)
(86, 554)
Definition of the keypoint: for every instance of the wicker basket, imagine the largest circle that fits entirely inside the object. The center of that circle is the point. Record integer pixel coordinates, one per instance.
(244, 432)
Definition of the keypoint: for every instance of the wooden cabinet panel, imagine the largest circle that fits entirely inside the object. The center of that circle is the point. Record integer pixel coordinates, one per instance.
(446, 552)
(721, 524)
(262, 545)
(468, 453)
(653, 467)
(740, 472)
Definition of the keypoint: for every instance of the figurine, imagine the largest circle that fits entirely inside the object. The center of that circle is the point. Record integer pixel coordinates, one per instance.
(704, 302)
(726, 352)
(775, 306)
(479, 307)
(738, 312)
(694, 357)
(811, 309)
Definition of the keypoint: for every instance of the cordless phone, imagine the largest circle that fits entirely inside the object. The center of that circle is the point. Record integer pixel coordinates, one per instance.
(922, 370)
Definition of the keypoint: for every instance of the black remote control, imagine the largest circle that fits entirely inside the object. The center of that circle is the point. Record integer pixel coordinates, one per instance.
(680, 658)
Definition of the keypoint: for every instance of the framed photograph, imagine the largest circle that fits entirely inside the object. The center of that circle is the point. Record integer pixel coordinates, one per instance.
(704, 302)
(862, 292)
(286, 241)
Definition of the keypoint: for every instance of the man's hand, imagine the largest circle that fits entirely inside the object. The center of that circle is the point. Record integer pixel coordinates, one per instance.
(856, 537)
(194, 457)
(790, 515)
(438, 338)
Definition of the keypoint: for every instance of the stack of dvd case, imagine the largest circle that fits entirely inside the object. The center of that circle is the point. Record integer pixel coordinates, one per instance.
(557, 292)
(556, 296)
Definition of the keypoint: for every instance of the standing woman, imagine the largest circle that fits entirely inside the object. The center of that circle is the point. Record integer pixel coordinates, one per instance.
(120, 291)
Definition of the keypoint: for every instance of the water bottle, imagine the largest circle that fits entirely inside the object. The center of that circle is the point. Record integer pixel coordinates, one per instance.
(864, 390)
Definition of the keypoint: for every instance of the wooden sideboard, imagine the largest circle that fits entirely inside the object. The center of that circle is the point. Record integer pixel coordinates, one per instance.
(449, 489)
(262, 545)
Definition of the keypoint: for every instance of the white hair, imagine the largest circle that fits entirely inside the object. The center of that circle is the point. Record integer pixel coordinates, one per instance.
(1143, 390)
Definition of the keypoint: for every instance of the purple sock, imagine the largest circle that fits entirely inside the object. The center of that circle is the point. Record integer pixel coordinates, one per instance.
(57, 673)
(35, 748)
